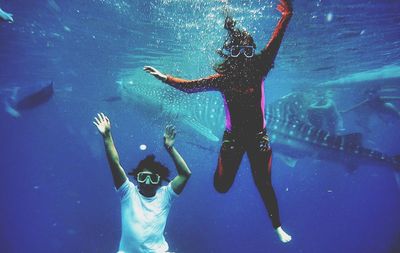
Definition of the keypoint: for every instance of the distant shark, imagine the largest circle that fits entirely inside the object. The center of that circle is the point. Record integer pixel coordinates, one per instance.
(386, 76)
(293, 139)
(15, 105)
(296, 139)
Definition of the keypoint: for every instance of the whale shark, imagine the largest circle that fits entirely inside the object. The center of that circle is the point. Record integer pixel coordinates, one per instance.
(293, 139)
(291, 135)
(386, 76)
(296, 139)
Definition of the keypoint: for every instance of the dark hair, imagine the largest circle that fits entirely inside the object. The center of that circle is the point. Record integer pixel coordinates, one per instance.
(236, 37)
(153, 166)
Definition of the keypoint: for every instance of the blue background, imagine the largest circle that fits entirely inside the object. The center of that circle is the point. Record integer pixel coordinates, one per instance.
(56, 190)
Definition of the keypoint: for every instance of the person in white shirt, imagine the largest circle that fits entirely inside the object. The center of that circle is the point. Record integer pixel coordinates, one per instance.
(145, 206)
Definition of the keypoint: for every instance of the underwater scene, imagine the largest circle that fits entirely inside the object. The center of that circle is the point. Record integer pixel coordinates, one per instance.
(278, 121)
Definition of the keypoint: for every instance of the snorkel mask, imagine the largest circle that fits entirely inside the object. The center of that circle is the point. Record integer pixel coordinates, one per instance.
(146, 177)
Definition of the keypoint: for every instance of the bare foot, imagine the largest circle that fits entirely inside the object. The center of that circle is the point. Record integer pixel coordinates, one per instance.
(283, 236)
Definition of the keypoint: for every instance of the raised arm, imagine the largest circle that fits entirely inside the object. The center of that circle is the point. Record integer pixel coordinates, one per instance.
(104, 126)
(270, 51)
(211, 83)
(184, 173)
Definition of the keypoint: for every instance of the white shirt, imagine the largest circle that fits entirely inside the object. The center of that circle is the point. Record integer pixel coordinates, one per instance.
(144, 219)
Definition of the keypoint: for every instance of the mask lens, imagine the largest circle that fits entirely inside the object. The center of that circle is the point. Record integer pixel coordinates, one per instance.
(154, 178)
(235, 51)
(142, 177)
(248, 51)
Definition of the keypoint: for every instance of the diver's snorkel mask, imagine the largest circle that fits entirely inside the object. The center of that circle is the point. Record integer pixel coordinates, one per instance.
(248, 51)
(148, 178)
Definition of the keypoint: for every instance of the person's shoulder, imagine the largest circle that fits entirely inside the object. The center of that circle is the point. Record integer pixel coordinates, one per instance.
(167, 190)
(126, 189)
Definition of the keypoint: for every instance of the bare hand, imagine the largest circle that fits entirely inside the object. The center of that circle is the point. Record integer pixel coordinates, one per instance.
(102, 123)
(169, 136)
(285, 7)
(157, 74)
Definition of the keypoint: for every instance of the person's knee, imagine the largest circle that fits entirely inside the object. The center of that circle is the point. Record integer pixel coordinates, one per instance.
(221, 186)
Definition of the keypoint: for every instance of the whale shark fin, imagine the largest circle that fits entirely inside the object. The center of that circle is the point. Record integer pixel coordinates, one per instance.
(289, 161)
(14, 93)
(10, 110)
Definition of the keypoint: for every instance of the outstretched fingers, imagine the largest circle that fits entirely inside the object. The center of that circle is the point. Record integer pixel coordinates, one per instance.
(170, 131)
(280, 8)
(284, 7)
(99, 118)
(97, 121)
(149, 69)
(173, 132)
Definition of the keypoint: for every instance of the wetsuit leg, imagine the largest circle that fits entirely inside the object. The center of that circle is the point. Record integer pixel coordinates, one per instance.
(260, 156)
(229, 159)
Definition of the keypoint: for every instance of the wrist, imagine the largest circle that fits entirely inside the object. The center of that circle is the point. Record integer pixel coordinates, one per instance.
(169, 147)
(106, 134)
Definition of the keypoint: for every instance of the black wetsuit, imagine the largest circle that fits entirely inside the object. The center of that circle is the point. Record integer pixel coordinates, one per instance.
(245, 121)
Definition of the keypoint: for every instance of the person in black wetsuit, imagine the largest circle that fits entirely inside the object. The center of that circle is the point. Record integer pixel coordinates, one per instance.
(240, 80)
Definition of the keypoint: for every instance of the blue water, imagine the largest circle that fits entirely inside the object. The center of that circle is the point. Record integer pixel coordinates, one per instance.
(56, 191)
